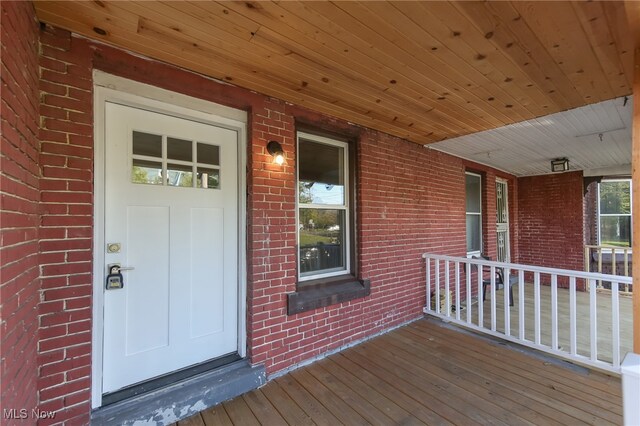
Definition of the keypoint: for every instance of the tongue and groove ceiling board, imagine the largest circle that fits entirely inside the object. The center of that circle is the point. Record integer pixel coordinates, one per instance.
(424, 71)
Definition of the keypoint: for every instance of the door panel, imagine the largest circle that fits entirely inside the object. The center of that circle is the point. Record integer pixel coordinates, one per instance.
(171, 201)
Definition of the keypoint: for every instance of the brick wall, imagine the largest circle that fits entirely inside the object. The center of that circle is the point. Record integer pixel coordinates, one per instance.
(409, 200)
(66, 231)
(551, 224)
(19, 186)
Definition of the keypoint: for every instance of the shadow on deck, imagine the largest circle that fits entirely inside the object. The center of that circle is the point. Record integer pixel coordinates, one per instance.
(428, 373)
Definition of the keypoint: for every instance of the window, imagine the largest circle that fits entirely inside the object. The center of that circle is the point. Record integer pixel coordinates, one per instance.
(474, 213)
(163, 160)
(323, 207)
(614, 213)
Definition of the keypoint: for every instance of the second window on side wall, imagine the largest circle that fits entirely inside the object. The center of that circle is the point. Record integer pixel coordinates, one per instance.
(614, 213)
(474, 213)
(323, 207)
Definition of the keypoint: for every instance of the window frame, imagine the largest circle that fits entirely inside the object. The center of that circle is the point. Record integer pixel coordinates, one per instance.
(346, 207)
(630, 215)
(479, 214)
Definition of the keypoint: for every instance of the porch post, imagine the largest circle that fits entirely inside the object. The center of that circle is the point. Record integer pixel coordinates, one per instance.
(635, 177)
(632, 16)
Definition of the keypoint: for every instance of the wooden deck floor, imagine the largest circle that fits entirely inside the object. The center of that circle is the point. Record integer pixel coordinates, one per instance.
(427, 373)
(604, 322)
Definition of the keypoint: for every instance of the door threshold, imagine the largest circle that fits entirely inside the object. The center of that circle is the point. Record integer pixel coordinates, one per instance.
(167, 379)
(179, 400)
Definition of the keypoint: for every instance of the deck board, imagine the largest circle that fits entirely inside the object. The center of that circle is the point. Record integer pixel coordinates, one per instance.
(428, 373)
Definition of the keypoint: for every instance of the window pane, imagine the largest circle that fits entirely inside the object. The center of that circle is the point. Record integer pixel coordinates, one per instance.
(147, 144)
(179, 149)
(208, 154)
(473, 193)
(615, 197)
(148, 172)
(322, 241)
(615, 231)
(321, 173)
(208, 178)
(473, 232)
(178, 175)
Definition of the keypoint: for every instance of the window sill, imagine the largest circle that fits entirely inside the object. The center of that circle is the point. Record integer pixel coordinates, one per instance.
(325, 292)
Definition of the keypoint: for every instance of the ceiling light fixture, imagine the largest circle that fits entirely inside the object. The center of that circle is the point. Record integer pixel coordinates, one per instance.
(560, 164)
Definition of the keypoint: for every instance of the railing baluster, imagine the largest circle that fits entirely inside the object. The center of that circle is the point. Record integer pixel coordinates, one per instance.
(613, 261)
(593, 320)
(457, 278)
(536, 306)
(468, 279)
(626, 269)
(447, 288)
(493, 298)
(615, 324)
(480, 301)
(437, 285)
(507, 303)
(572, 316)
(521, 304)
(554, 311)
(428, 283)
(599, 265)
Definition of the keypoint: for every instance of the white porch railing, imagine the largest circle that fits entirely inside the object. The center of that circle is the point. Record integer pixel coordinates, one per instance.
(608, 259)
(579, 326)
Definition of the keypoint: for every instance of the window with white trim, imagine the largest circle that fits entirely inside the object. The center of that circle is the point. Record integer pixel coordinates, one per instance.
(614, 212)
(323, 210)
(474, 213)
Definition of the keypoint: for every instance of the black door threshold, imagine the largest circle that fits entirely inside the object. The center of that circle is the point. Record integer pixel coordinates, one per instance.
(184, 398)
(163, 381)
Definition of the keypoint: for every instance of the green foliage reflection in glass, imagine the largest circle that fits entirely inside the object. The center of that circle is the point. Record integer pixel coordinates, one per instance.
(615, 197)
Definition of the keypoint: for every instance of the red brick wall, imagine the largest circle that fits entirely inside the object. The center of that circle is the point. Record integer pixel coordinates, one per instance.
(66, 231)
(551, 224)
(409, 200)
(19, 186)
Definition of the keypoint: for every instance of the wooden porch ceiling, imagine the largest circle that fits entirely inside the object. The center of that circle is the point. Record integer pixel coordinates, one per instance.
(425, 71)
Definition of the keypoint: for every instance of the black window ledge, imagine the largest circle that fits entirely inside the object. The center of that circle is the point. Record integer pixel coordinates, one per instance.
(326, 292)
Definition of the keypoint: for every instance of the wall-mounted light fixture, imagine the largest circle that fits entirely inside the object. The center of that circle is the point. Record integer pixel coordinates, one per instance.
(275, 149)
(560, 165)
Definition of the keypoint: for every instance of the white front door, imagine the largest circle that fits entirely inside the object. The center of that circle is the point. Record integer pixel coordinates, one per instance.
(502, 221)
(171, 214)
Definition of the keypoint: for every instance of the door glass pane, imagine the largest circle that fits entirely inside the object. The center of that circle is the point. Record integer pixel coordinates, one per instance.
(321, 173)
(473, 193)
(615, 197)
(208, 154)
(473, 232)
(178, 175)
(147, 144)
(149, 172)
(208, 178)
(322, 240)
(179, 149)
(615, 231)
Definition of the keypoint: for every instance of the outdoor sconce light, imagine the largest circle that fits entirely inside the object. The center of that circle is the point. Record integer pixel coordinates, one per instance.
(275, 149)
(560, 165)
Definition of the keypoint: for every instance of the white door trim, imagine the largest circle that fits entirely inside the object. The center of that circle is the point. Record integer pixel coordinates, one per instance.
(127, 92)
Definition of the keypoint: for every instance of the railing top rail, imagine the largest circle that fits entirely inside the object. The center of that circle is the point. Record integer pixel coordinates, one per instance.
(608, 247)
(542, 269)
